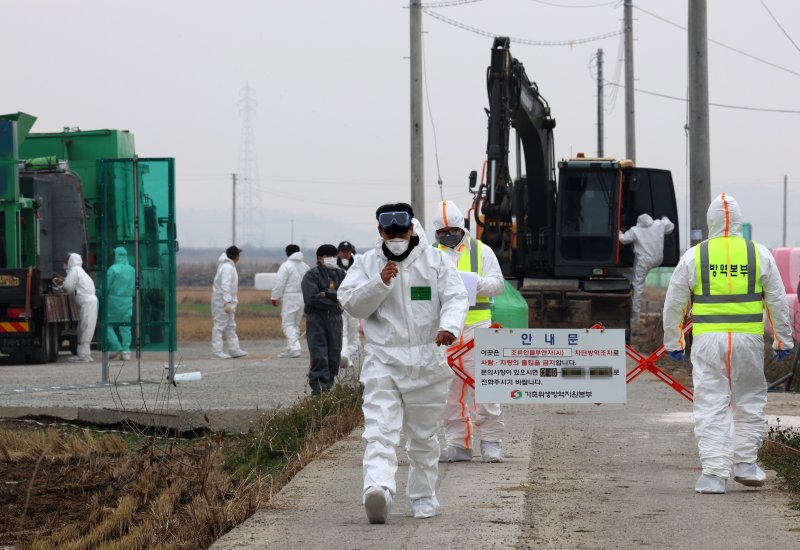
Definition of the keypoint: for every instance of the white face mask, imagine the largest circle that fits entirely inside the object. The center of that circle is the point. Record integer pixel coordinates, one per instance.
(397, 246)
(330, 263)
(345, 262)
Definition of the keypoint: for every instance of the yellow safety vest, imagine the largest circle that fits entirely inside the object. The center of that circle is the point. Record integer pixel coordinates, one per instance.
(727, 296)
(482, 310)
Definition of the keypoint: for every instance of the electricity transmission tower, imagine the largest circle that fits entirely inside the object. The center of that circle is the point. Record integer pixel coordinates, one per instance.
(248, 187)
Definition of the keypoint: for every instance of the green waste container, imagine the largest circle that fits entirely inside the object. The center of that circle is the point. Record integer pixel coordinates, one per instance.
(510, 309)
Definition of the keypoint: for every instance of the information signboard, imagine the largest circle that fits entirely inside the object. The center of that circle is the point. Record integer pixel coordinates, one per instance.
(549, 366)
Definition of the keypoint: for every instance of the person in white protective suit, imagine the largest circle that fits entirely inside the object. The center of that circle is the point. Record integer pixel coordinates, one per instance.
(729, 283)
(79, 282)
(478, 263)
(350, 336)
(289, 295)
(647, 237)
(413, 303)
(223, 306)
(120, 287)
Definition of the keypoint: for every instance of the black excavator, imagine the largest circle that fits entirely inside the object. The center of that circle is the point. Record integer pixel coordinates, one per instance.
(559, 238)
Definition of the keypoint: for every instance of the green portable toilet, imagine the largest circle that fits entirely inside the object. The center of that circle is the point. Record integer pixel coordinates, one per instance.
(510, 309)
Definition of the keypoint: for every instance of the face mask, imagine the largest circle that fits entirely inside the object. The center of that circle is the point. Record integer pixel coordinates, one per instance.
(397, 246)
(330, 263)
(345, 262)
(449, 240)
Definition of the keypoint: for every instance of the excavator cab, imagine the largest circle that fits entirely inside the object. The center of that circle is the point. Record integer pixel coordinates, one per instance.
(598, 198)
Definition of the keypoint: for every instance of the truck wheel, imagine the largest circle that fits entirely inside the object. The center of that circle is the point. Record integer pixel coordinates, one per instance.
(53, 341)
(48, 353)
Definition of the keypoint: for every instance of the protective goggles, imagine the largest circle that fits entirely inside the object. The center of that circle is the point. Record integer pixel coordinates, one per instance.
(394, 220)
(451, 231)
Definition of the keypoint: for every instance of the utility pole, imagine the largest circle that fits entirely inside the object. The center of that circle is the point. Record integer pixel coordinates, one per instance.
(233, 241)
(630, 118)
(600, 103)
(417, 158)
(699, 137)
(785, 181)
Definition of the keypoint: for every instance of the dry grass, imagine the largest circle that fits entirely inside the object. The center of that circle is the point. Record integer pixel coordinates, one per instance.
(17, 445)
(177, 497)
(74, 489)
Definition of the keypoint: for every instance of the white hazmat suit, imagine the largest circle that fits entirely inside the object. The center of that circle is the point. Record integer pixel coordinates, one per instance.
(461, 406)
(405, 375)
(730, 391)
(351, 340)
(79, 282)
(223, 309)
(647, 237)
(287, 290)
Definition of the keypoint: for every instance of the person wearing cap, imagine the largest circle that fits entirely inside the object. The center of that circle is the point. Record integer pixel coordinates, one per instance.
(350, 336)
(120, 287)
(289, 295)
(477, 263)
(223, 306)
(413, 304)
(79, 282)
(323, 319)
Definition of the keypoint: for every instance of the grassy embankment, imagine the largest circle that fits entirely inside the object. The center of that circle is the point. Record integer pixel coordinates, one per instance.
(64, 487)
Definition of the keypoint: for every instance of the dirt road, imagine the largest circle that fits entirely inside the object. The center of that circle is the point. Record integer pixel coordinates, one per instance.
(611, 476)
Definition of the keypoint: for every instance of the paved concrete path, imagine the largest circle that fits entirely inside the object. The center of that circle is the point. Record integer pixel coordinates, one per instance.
(230, 394)
(611, 476)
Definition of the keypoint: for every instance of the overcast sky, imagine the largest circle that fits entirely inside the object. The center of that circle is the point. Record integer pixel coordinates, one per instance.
(331, 80)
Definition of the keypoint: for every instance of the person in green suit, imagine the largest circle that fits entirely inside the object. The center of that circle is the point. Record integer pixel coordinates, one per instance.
(120, 286)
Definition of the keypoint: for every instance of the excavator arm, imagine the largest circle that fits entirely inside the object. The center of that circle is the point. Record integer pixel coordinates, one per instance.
(516, 217)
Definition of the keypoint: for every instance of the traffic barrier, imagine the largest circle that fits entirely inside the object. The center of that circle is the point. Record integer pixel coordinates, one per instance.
(648, 363)
(455, 352)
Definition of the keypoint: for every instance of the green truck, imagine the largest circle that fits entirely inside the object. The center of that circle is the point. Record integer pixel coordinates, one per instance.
(85, 192)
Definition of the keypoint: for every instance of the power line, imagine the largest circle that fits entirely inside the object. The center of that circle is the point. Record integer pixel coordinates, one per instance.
(297, 180)
(617, 70)
(651, 14)
(726, 106)
(430, 114)
(525, 41)
(779, 25)
(574, 5)
(448, 4)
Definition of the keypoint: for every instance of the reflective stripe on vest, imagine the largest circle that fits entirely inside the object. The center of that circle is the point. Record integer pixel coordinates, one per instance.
(727, 296)
(482, 310)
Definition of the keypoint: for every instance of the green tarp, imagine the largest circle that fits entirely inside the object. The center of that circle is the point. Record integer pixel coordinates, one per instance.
(510, 309)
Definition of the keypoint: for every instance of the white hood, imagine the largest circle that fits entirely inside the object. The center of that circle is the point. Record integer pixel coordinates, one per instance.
(644, 220)
(724, 217)
(296, 256)
(74, 260)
